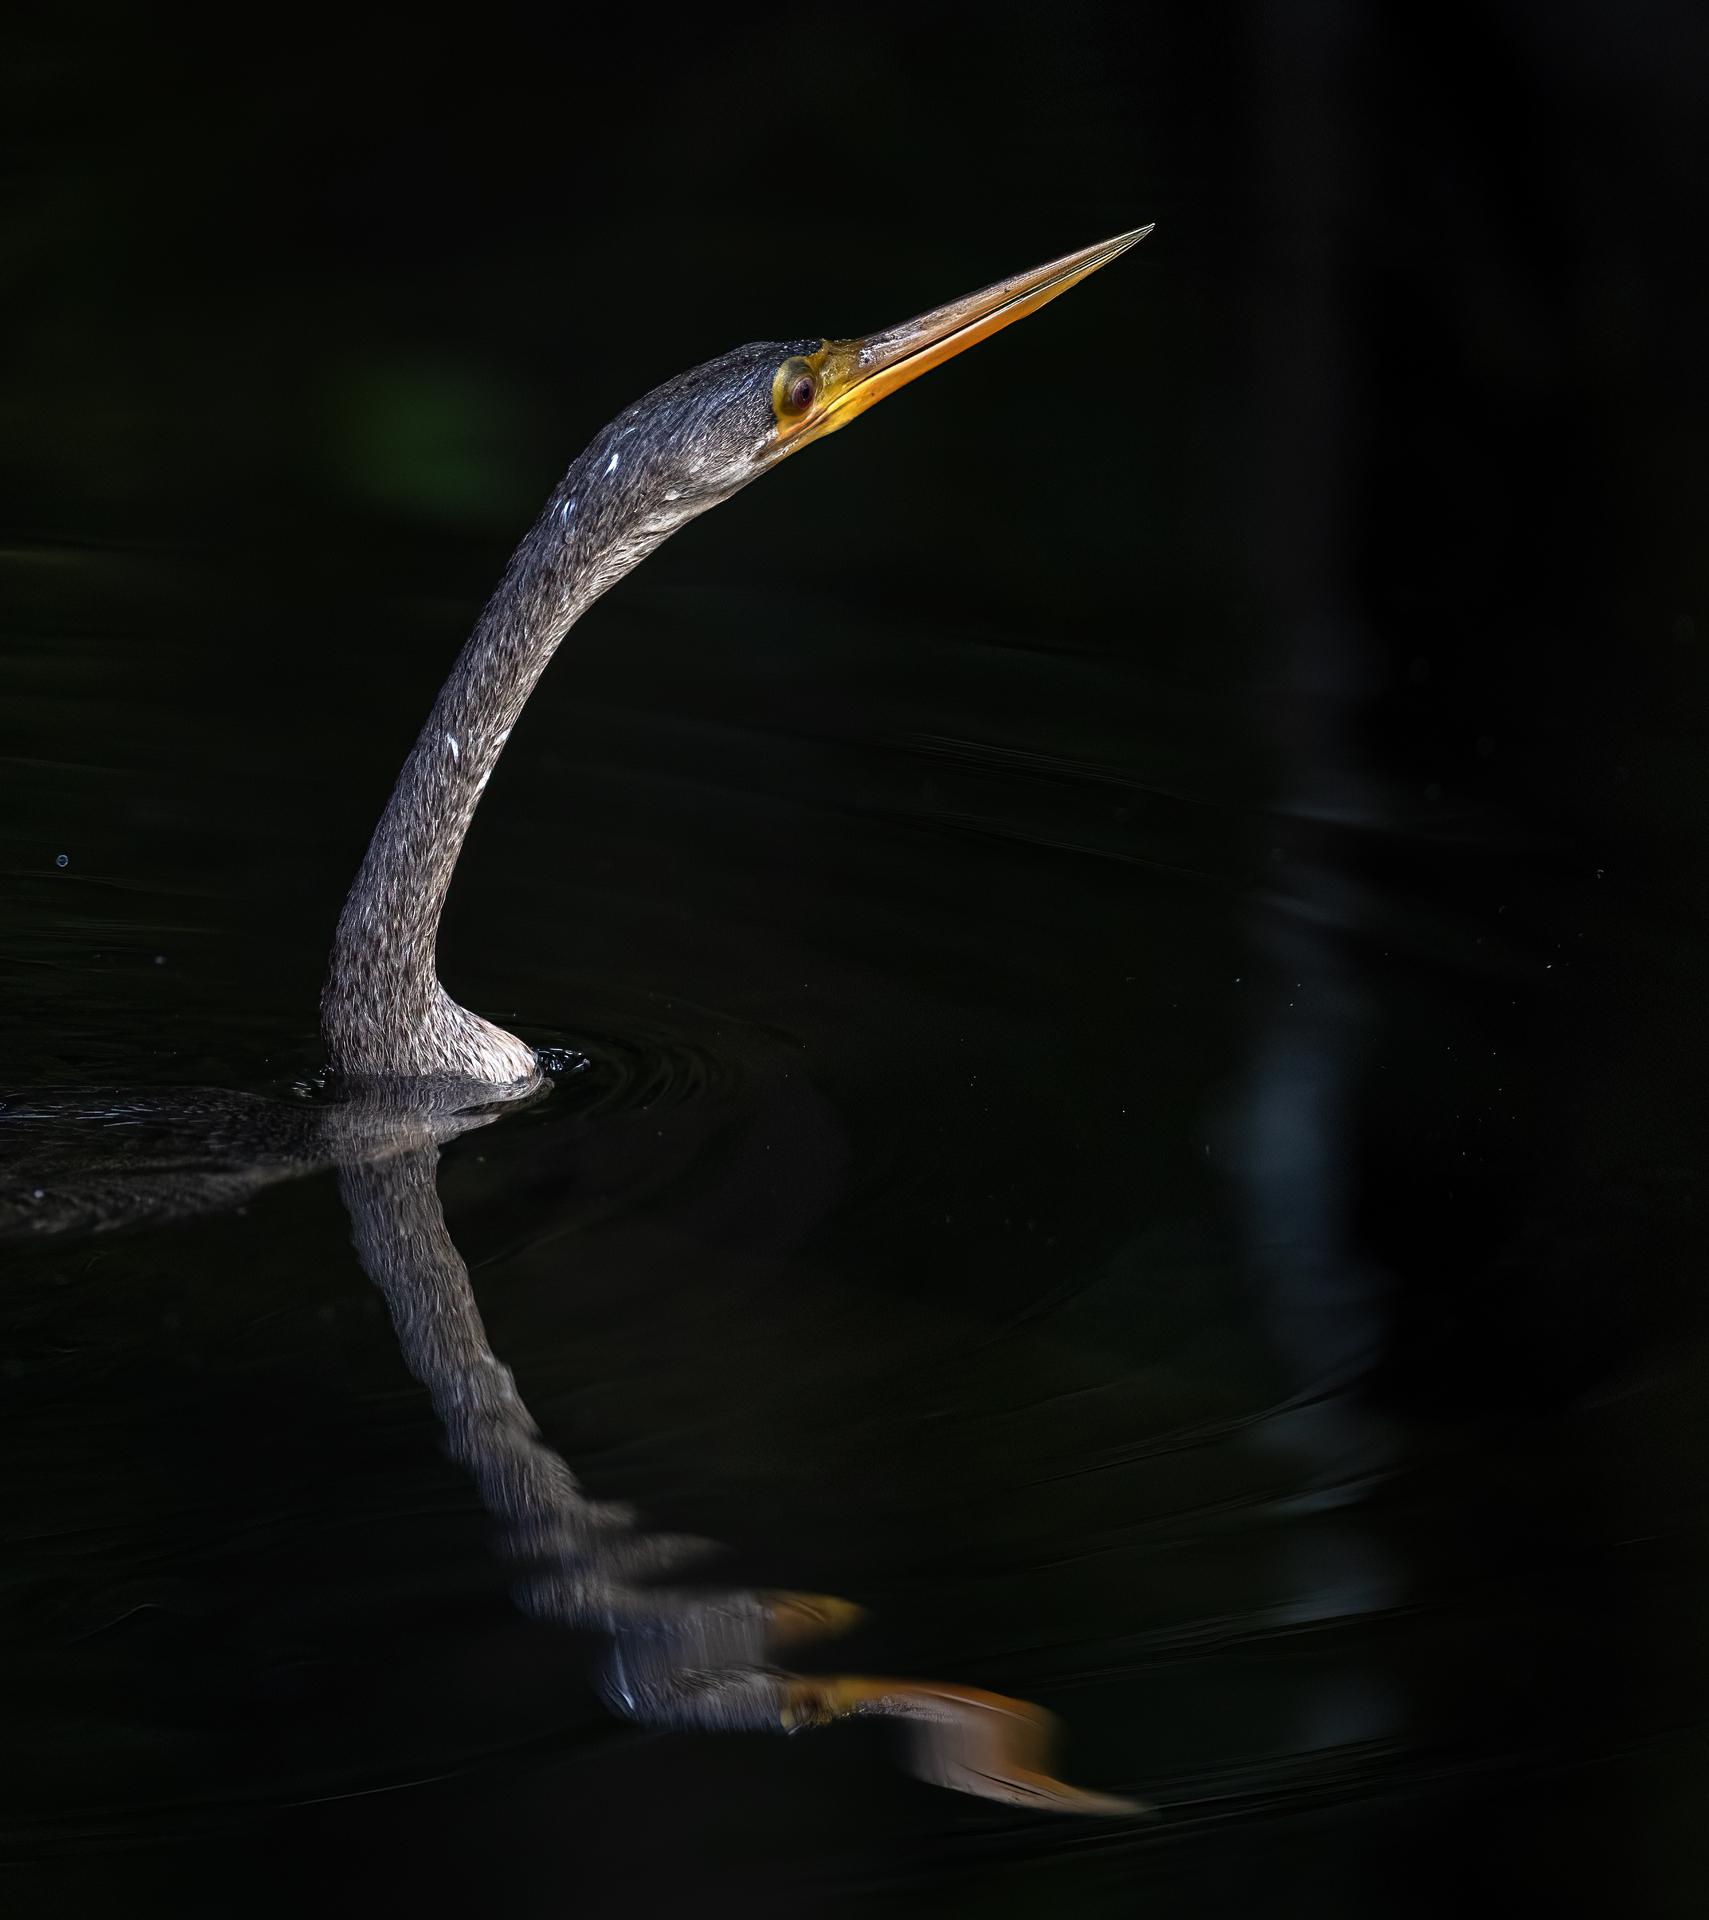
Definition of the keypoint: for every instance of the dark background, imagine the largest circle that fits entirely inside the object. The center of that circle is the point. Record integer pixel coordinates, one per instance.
(1325, 588)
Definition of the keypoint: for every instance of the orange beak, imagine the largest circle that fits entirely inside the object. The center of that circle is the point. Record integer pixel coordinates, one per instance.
(852, 375)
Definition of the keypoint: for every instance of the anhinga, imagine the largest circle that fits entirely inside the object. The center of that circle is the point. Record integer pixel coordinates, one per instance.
(685, 447)
(414, 1069)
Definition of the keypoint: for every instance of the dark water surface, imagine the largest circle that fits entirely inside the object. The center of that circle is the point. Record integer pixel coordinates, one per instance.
(1124, 948)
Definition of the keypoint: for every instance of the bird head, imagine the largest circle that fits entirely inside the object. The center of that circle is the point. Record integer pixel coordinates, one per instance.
(699, 438)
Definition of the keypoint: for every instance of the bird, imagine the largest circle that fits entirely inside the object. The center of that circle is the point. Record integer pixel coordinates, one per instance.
(679, 451)
(410, 1069)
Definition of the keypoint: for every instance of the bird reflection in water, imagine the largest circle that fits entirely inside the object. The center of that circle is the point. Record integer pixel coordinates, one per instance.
(412, 1069)
(678, 1658)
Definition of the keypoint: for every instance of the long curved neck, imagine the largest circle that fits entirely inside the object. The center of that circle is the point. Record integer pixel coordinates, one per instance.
(383, 1011)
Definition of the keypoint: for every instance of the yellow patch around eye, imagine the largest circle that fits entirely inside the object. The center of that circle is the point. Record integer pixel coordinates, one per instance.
(786, 381)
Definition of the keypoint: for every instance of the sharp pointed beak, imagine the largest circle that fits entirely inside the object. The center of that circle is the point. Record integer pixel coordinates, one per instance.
(852, 375)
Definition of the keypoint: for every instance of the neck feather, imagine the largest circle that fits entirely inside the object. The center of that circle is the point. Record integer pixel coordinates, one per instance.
(383, 1011)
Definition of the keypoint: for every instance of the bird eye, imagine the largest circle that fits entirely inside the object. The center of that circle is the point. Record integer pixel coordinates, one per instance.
(795, 388)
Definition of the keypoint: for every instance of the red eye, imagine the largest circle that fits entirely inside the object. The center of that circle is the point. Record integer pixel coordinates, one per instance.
(801, 394)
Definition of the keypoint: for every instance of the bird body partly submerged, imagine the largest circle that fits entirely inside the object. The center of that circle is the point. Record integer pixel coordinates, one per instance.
(669, 457)
(684, 447)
